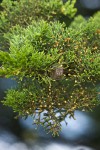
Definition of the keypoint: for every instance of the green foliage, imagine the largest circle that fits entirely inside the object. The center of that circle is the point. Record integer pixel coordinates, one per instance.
(23, 12)
(57, 68)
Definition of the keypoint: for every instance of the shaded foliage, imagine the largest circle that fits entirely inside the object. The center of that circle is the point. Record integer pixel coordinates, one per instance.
(22, 12)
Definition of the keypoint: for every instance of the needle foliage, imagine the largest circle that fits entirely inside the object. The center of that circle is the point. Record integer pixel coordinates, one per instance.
(57, 68)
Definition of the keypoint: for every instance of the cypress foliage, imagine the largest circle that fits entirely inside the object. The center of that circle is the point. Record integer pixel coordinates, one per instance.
(57, 68)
